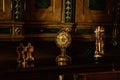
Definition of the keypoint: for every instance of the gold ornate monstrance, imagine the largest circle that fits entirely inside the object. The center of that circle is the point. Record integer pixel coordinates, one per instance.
(63, 40)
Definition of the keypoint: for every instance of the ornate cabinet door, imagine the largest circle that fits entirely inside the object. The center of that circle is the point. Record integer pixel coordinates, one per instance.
(43, 10)
(5, 10)
(94, 10)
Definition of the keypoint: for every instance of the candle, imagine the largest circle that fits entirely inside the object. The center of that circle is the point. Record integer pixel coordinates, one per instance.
(3, 5)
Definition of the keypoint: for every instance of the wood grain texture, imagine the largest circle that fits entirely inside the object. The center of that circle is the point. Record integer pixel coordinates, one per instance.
(6, 13)
(50, 14)
(84, 14)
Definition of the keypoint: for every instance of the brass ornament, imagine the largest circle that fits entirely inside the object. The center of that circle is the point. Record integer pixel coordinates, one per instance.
(25, 58)
(63, 40)
(99, 35)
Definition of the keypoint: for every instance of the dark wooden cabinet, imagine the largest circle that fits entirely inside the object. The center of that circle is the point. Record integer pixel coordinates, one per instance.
(49, 16)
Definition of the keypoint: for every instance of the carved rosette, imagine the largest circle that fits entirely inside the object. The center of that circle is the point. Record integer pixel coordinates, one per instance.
(17, 31)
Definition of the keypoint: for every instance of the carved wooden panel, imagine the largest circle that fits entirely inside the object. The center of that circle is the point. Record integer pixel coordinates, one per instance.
(5, 10)
(48, 11)
(87, 13)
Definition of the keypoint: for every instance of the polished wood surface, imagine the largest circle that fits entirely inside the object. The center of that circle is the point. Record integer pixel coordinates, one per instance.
(45, 69)
(83, 65)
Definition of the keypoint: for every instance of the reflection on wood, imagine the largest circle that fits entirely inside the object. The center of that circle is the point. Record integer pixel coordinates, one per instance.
(3, 5)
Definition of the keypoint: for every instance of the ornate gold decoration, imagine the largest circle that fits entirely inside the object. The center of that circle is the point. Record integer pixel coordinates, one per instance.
(30, 50)
(25, 58)
(99, 34)
(21, 55)
(68, 11)
(17, 7)
(63, 40)
(17, 30)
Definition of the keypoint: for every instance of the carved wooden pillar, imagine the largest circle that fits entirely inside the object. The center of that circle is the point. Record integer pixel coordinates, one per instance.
(69, 14)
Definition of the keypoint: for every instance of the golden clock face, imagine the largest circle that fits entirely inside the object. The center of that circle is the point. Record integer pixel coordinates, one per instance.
(63, 39)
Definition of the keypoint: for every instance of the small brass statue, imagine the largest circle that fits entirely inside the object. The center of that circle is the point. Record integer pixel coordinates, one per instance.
(20, 51)
(25, 55)
(63, 40)
(21, 55)
(30, 50)
(99, 35)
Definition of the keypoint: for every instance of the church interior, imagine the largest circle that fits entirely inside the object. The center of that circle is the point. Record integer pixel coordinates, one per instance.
(59, 39)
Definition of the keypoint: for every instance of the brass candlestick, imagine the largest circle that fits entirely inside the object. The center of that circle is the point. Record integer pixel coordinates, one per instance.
(99, 34)
(63, 40)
